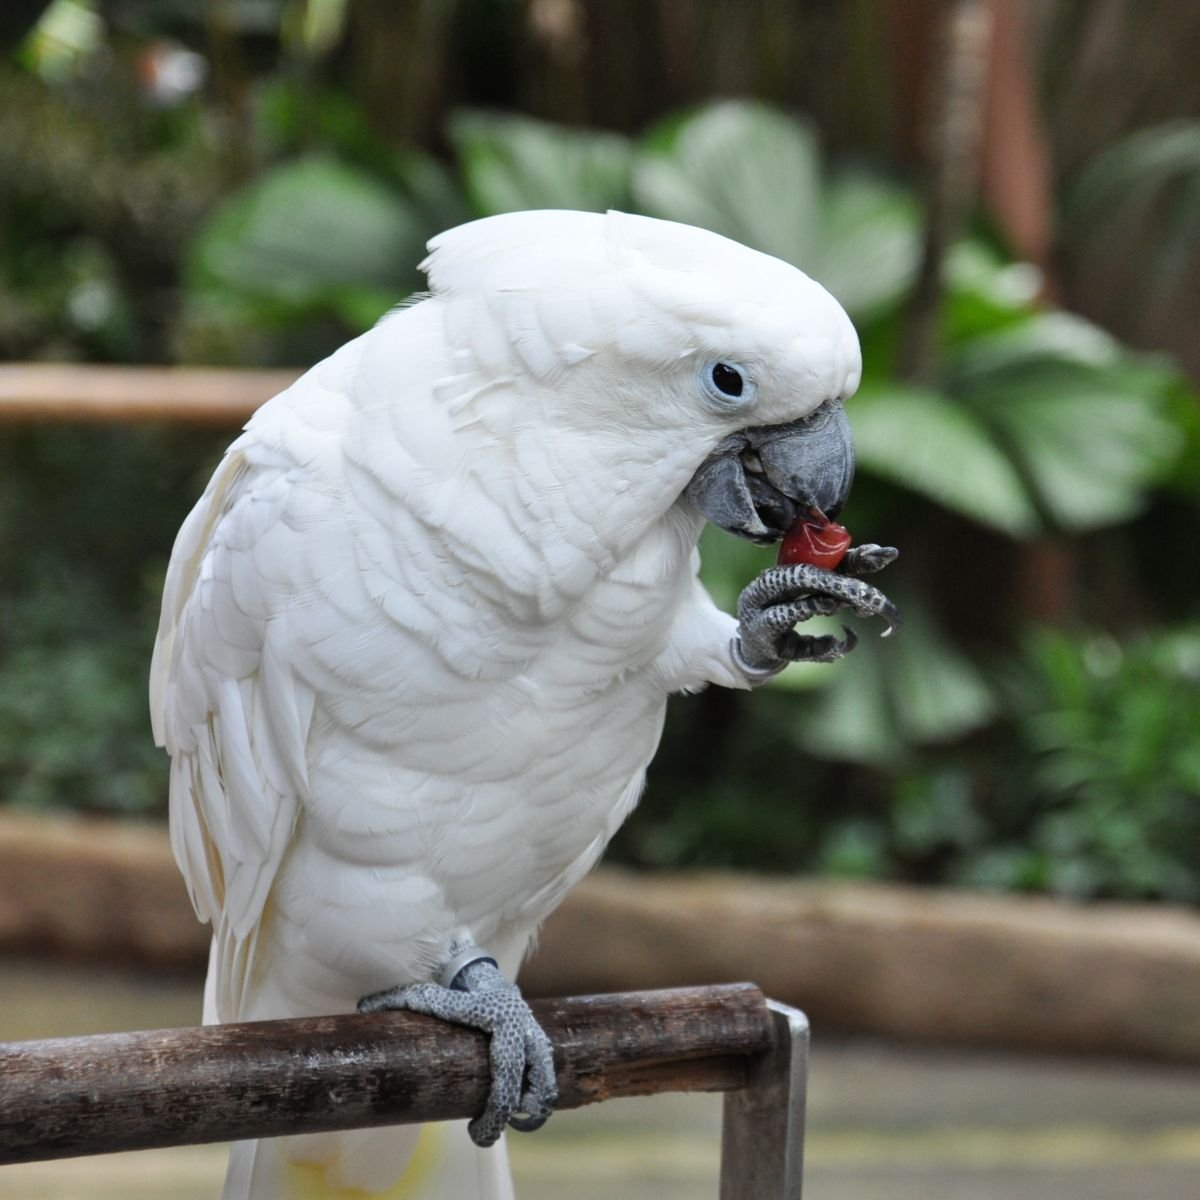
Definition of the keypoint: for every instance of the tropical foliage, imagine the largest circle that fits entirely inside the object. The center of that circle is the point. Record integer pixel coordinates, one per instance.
(1041, 458)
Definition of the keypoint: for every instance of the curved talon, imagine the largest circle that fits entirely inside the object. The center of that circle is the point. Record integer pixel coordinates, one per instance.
(820, 648)
(539, 1099)
(783, 597)
(524, 1124)
(483, 999)
(893, 616)
(868, 558)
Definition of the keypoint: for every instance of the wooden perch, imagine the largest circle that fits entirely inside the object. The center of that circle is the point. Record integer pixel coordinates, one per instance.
(133, 1091)
(217, 396)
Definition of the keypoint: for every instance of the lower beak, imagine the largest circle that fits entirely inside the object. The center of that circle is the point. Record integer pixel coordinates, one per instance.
(758, 480)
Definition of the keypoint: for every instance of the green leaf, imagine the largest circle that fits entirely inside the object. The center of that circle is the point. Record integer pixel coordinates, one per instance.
(920, 439)
(869, 245)
(913, 688)
(937, 693)
(1087, 423)
(1131, 172)
(985, 293)
(973, 266)
(851, 719)
(430, 188)
(1090, 453)
(754, 174)
(729, 563)
(1057, 336)
(512, 163)
(741, 169)
(312, 234)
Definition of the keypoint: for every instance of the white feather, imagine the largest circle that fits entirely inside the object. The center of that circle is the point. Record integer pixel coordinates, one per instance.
(419, 632)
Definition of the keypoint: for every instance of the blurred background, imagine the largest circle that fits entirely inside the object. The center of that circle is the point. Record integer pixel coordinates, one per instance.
(251, 182)
(1004, 194)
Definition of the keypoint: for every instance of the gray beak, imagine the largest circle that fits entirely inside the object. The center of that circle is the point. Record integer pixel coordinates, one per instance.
(758, 480)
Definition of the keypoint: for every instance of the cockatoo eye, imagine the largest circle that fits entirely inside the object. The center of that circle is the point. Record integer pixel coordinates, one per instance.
(727, 386)
(727, 379)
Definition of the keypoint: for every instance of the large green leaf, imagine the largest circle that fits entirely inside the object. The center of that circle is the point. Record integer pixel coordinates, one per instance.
(851, 719)
(915, 688)
(1087, 423)
(870, 243)
(512, 163)
(924, 441)
(984, 292)
(1040, 337)
(937, 693)
(1158, 166)
(431, 188)
(741, 169)
(312, 234)
(754, 174)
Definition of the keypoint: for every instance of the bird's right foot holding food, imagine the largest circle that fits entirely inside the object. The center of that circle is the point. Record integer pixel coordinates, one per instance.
(783, 596)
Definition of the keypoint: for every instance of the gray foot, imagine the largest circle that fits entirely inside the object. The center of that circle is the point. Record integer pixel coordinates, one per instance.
(479, 996)
(782, 597)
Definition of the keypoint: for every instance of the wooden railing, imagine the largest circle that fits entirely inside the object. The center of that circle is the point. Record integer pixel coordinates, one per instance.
(215, 396)
(136, 1091)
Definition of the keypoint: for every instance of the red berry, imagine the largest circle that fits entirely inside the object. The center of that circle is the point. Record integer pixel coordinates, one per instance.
(816, 540)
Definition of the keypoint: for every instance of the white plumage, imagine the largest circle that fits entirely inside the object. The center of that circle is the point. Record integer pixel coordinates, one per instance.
(418, 634)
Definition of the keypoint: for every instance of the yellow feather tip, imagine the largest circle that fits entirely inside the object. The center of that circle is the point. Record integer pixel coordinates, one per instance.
(307, 1181)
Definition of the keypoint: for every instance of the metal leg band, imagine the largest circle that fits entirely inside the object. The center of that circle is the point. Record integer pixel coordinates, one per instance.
(454, 967)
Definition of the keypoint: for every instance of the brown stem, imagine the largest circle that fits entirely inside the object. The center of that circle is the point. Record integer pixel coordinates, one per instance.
(952, 137)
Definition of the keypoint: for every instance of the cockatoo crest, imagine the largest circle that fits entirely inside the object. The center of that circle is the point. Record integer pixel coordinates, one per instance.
(640, 306)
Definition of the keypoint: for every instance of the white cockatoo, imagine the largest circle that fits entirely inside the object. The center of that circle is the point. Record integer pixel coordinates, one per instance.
(419, 633)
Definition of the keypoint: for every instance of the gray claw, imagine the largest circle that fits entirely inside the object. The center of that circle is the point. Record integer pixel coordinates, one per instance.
(824, 648)
(480, 997)
(868, 558)
(527, 1124)
(782, 597)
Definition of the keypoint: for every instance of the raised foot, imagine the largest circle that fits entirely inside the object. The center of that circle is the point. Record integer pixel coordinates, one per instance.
(524, 1089)
(782, 597)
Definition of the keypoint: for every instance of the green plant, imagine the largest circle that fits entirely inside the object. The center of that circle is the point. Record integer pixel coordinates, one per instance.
(80, 601)
(937, 749)
(1106, 734)
(1144, 192)
(1039, 423)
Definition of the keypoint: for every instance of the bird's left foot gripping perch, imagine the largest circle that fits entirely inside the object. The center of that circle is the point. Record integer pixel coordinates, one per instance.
(471, 991)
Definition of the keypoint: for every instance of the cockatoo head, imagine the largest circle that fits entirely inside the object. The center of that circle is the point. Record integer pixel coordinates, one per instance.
(729, 364)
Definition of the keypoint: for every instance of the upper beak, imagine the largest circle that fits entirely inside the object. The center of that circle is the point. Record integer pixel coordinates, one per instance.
(758, 480)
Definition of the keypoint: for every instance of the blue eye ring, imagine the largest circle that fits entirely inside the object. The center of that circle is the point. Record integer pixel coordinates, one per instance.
(726, 385)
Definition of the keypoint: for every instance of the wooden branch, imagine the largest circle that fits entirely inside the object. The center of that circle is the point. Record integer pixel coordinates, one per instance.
(216, 396)
(955, 125)
(174, 1087)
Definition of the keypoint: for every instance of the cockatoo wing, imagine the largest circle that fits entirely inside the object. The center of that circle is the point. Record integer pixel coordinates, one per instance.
(225, 700)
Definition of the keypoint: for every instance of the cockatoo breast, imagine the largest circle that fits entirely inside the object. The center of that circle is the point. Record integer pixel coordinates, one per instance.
(479, 612)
